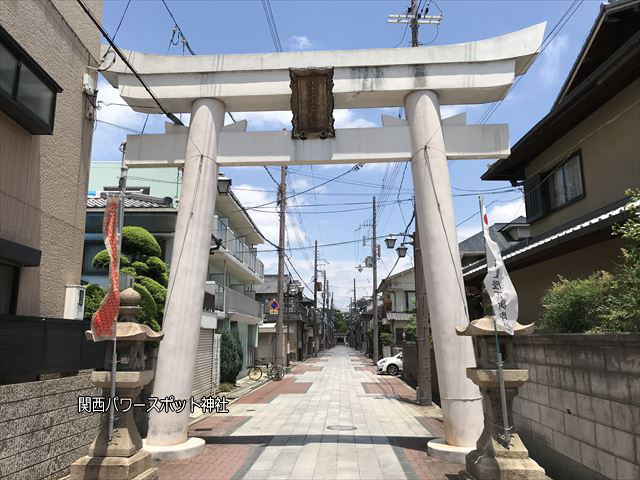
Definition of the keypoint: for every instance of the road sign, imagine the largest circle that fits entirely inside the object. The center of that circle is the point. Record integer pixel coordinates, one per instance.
(273, 312)
(274, 305)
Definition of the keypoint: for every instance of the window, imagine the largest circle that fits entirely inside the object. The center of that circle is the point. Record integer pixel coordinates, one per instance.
(411, 301)
(9, 278)
(565, 183)
(546, 192)
(27, 92)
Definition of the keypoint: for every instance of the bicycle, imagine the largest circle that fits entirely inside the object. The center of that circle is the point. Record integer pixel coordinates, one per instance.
(274, 372)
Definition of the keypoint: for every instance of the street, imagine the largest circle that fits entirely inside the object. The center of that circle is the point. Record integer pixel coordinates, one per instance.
(332, 417)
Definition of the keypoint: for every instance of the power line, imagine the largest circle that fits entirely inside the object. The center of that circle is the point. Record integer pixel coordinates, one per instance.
(271, 22)
(548, 39)
(185, 42)
(124, 59)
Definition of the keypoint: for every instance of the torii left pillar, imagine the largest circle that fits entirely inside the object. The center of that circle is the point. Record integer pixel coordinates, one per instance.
(167, 435)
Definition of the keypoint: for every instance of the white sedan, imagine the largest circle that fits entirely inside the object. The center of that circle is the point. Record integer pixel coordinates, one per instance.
(391, 365)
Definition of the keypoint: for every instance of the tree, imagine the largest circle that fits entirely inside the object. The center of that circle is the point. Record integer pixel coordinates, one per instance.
(341, 323)
(140, 259)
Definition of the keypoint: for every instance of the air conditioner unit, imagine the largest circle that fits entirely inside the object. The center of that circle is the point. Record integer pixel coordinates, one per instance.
(74, 297)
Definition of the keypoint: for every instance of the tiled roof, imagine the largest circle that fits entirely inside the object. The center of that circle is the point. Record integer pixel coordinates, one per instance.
(150, 202)
(596, 221)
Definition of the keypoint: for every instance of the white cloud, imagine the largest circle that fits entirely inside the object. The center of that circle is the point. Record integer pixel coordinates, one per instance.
(551, 64)
(300, 42)
(265, 121)
(300, 183)
(349, 119)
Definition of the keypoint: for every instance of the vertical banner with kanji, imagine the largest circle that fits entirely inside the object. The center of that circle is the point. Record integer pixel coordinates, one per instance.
(103, 322)
(497, 282)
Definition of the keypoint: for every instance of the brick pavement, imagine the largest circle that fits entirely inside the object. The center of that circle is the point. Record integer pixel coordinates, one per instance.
(333, 417)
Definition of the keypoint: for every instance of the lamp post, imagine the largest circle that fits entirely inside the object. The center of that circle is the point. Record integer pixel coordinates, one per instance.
(423, 390)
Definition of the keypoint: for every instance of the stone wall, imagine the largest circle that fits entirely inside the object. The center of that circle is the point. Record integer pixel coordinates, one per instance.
(41, 431)
(579, 414)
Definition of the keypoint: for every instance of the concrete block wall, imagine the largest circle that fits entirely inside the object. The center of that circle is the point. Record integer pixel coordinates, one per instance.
(41, 431)
(580, 410)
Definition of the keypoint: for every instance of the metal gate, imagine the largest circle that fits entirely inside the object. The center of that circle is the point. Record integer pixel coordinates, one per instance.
(203, 377)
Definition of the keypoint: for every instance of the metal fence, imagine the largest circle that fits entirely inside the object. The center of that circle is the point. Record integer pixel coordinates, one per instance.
(32, 346)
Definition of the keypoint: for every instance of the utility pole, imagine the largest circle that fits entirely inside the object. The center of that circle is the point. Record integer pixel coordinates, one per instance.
(324, 308)
(414, 23)
(374, 250)
(315, 302)
(280, 359)
(423, 370)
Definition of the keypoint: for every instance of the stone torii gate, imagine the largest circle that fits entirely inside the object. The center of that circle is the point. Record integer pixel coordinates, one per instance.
(311, 84)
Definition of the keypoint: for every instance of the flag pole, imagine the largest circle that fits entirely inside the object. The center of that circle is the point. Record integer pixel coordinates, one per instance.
(503, 394)
(122, 186)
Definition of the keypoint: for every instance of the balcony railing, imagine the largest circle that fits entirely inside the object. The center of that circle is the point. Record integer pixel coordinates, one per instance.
(238, 248)
(229, 301)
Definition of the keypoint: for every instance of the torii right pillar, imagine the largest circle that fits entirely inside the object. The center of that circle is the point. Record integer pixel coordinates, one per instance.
(460, 398)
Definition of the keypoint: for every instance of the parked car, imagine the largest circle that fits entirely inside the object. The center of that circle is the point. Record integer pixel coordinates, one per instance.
(391, 365)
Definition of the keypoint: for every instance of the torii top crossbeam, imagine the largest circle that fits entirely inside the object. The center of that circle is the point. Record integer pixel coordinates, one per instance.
(465, 73)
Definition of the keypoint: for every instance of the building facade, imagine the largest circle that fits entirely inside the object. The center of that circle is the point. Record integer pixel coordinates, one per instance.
(234, 269)
(48, 55)
(46, 127)
(576, 163)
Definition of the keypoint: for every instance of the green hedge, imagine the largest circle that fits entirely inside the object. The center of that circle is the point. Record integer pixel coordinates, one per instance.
(602, 302)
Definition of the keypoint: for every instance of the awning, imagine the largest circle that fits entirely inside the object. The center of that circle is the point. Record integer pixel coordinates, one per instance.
(267, 328)
(399, 316)
(242, 318)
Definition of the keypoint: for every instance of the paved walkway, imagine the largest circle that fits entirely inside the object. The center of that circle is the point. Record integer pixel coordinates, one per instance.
(331, 418)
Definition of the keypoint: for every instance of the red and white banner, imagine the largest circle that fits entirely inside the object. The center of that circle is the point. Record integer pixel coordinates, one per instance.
(103, 322)
(497, 282)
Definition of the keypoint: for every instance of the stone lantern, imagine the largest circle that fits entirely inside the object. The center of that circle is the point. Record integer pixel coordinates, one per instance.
(121, 457)
(494, 457)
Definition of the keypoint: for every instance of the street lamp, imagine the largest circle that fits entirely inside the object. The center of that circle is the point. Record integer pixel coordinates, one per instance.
(402, 251)
(390, 241)
(223, 184)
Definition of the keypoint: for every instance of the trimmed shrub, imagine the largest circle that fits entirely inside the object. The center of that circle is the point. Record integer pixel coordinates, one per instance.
(139, 243)
(141, 268)
(164, 280)
(157, 291)
(128, 270)
(576, 306)
(93, 296)
(156, 268)
(101, 260)
(148, 312)
(228, 357)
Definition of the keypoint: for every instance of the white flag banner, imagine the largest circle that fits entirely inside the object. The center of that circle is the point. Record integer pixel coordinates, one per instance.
(497, 282)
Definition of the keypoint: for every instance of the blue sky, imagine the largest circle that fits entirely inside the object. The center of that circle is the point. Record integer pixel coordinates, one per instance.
(241, 27)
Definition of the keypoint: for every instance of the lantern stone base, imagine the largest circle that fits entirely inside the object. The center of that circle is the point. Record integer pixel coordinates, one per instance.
(438, 448)
(500, 463)
(135, 467)
(191, 448)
